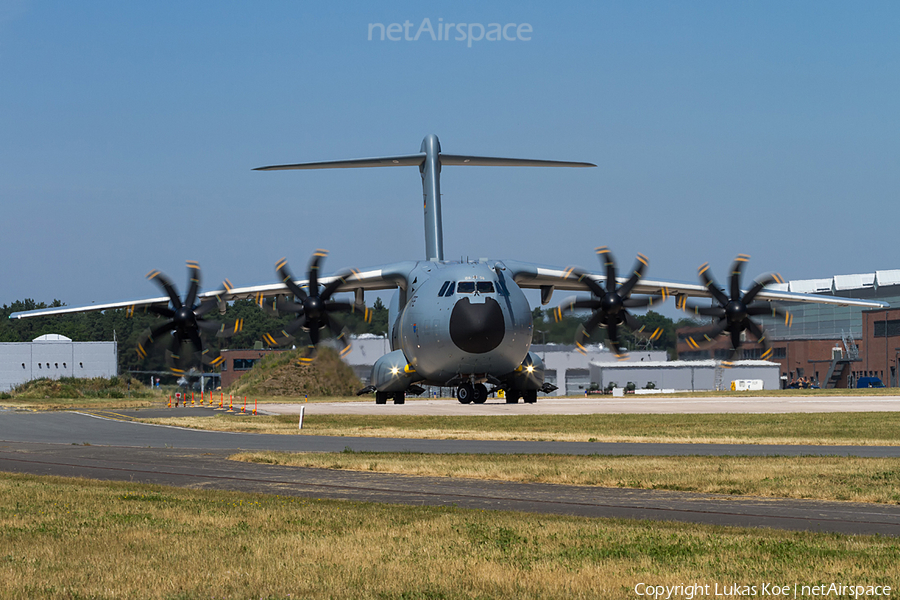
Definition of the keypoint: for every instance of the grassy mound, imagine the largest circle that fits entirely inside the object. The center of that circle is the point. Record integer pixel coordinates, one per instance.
(73, 387)
(280, 374)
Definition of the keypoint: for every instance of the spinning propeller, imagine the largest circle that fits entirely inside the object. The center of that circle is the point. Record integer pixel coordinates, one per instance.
(734, 313)
(610, 306)
(313, 308)
(186, 324)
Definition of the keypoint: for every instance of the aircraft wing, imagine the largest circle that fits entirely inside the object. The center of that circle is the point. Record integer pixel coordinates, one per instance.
(377, 278)
(547, 279)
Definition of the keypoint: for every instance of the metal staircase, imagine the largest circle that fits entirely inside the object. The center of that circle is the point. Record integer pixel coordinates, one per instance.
(720, 375)
(835, 372)
(851, 350)
(840, 364)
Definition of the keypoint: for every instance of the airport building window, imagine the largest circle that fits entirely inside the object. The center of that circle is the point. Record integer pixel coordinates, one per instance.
(893, 328)
(244, 364)
(779, 352)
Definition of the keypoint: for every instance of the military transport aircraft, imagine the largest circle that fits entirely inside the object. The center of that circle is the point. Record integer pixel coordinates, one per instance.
(459, 324)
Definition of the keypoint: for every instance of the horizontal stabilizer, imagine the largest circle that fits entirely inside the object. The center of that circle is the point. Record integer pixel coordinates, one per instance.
(406, 160)
(410, 160)
(490, 161)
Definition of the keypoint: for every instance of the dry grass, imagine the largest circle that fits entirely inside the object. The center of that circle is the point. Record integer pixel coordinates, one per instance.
(65, 539)
(280, 374)
(822, 478)
(863, 429)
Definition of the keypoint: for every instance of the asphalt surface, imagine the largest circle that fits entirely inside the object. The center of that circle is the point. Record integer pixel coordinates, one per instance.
(585, 405)
(81, 445)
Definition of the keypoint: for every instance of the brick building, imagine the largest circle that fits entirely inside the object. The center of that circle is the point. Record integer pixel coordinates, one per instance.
(833, 345)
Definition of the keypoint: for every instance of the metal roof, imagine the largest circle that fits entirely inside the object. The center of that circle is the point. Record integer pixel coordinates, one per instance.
(841, 283)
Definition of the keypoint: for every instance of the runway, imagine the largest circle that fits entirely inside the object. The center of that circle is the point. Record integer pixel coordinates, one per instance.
(631, 404)
(71, 444)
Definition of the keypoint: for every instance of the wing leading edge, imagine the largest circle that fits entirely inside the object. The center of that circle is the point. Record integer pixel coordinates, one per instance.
(385, 277)
(533, 276)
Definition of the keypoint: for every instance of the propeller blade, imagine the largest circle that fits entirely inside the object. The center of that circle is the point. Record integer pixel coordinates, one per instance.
(342, 336)
(285, 335)
(707, 336)
(314, 270)
(582, 277)
(206, 306)
(167, 287)
(737, 268)
(612, 330)
(211, 357)
(605, 255)
(145, 342)
(229, 329)
(640, 302)
(760, 334)
(288, 279)
(636, 275)
(194, 340)
(332, 287)
(759, 284)
(711, 284)
(194, 278)
(163, 311)
(585, 330)
(736, 339)
(339, 307)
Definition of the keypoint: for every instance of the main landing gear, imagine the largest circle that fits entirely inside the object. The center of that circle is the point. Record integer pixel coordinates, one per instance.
(467, 393)
(382, 397)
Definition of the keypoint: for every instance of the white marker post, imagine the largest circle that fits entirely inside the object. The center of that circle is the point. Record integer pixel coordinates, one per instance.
(300, 426)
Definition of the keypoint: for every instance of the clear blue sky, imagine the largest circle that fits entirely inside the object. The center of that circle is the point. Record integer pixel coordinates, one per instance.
(128, 131)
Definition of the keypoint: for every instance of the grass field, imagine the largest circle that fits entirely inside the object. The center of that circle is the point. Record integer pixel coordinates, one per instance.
(876, 428)
(822, 478)
(67, 539)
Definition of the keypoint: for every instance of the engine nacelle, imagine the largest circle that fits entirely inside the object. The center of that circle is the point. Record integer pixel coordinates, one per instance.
(529, 375)
(392, 373)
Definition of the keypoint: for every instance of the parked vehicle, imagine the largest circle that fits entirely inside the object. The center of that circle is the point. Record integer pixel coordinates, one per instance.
(869, 382)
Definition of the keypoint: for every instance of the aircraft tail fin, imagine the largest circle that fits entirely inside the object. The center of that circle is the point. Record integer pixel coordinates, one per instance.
(429, 159)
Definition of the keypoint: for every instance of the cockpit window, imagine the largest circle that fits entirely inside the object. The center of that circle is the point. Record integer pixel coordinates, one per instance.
(447, 284)
(465, 287)
(485, 287)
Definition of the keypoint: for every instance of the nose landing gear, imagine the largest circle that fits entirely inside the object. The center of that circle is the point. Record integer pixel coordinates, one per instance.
(467, 393)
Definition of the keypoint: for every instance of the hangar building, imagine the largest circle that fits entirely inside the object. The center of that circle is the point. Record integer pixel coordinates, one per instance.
(54, 356)
(684, 375)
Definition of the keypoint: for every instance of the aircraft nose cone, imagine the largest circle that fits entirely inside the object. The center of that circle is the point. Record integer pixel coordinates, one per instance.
(477, 328)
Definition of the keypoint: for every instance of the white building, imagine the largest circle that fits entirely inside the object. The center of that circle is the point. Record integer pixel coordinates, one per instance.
(685, 375)
(54, 356)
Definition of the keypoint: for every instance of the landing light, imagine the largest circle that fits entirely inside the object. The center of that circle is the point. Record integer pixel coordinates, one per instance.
(530, 368)
(395, 370)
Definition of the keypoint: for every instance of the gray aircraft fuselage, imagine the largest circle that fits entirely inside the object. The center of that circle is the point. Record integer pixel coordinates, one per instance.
(461, 320)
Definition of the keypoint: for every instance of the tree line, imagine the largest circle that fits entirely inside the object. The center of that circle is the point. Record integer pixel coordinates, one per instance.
(127, 330)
